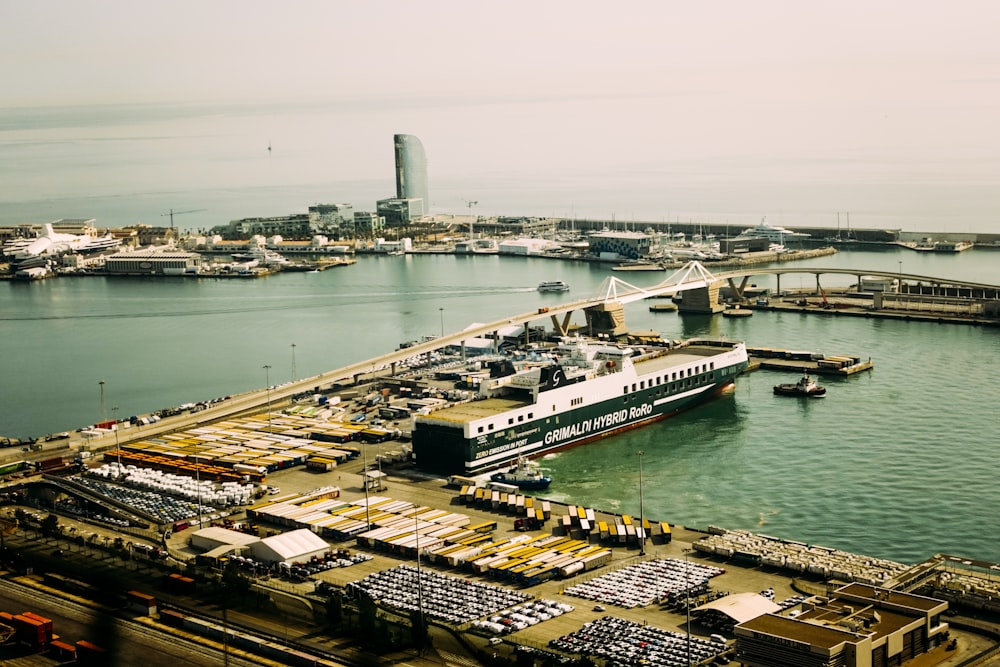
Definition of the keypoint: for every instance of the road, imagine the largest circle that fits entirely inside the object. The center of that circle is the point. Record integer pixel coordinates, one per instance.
(137, 643)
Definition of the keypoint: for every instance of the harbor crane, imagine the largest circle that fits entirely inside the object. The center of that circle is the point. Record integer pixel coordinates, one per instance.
(172, 213)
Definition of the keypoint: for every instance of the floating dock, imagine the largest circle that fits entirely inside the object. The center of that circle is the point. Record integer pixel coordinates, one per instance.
(774, 359)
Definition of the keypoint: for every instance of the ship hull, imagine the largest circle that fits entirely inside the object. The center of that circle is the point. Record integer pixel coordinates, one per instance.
(446, 448)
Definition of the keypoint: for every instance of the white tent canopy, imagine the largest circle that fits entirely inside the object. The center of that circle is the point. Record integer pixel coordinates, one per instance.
(295, 545)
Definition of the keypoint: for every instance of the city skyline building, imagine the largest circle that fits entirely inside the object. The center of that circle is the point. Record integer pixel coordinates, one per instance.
(411, 171)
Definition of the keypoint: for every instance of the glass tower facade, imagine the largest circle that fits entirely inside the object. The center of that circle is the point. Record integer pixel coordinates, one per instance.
(411, 169)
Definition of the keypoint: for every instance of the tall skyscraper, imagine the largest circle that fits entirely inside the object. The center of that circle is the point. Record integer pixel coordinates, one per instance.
(411, 169)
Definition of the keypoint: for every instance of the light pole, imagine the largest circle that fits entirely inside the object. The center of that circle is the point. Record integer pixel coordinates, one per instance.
(267, 381)
(293, 362)
(364, 480)
(687, 602)
(441, 311)
(420, 590)
(899, 286)
(104, 411)
(118, 448)
(642, 522)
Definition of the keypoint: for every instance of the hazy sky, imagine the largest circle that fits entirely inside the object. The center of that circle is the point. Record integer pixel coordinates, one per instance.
(911, 85)
(880, 56)
(758, 67)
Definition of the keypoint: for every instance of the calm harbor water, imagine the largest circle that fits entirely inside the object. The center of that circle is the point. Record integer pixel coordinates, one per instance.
(896, 463)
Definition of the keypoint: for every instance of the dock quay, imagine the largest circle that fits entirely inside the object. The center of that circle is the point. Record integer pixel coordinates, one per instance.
(746, 259)
(773, 359)
(598, 573)
(741, 562)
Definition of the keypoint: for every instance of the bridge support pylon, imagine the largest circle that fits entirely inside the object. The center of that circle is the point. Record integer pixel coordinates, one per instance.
(606, 318)
(703, 300)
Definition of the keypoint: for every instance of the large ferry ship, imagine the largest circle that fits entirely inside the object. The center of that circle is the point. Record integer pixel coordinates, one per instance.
(569, 394)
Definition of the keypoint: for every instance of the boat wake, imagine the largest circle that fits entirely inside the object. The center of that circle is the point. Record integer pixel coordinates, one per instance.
(762, 517)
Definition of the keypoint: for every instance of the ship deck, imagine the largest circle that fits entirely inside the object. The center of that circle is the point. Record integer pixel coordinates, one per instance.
(466, 412)
(490, 407)
(676, 357)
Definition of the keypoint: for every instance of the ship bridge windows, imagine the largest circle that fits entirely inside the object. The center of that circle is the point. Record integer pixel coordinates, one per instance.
(575, 401)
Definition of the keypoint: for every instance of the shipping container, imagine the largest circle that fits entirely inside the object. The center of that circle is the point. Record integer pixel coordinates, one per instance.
(46, 624)
(62, 651)
(88, 653)
(30, 632)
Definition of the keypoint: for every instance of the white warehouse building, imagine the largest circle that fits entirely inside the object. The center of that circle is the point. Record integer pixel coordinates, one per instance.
(295, 545)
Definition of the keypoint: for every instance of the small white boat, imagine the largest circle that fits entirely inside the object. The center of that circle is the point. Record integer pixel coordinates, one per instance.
(553, 286)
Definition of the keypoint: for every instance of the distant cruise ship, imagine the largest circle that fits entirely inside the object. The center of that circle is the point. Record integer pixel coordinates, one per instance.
(772, 233)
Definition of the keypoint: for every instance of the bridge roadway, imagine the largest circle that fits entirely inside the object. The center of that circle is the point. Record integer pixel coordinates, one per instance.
(691, 276)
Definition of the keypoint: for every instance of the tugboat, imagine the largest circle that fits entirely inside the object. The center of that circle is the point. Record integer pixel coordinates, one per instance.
(806, 386)
(525, 474)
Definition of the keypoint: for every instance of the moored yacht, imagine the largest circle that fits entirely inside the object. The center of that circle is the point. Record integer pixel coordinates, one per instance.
(772, 233)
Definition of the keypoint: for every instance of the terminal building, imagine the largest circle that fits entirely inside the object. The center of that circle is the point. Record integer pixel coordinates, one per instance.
(517, 225)
(152, 262)
(858, 626)
(624, 245)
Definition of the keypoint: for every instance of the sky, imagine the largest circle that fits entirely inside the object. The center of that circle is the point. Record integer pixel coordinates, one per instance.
(766, 69)
(911, 89)
(875, 55)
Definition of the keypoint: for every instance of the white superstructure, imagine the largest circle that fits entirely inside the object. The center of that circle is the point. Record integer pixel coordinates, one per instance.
(772, 233)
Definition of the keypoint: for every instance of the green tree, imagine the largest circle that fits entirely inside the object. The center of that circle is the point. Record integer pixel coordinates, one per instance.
(235, 583)
(366, 620)
(418, 629)
(50, 526)
(335, 608)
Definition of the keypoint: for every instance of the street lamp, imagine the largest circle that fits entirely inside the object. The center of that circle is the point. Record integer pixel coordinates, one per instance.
(118, 448)
(441, 311)
(642, 522)
(104, 412)
(293, 362)
(420, 590)
(267, 381)
(364, 480)
(899, 286)
(687, 602)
